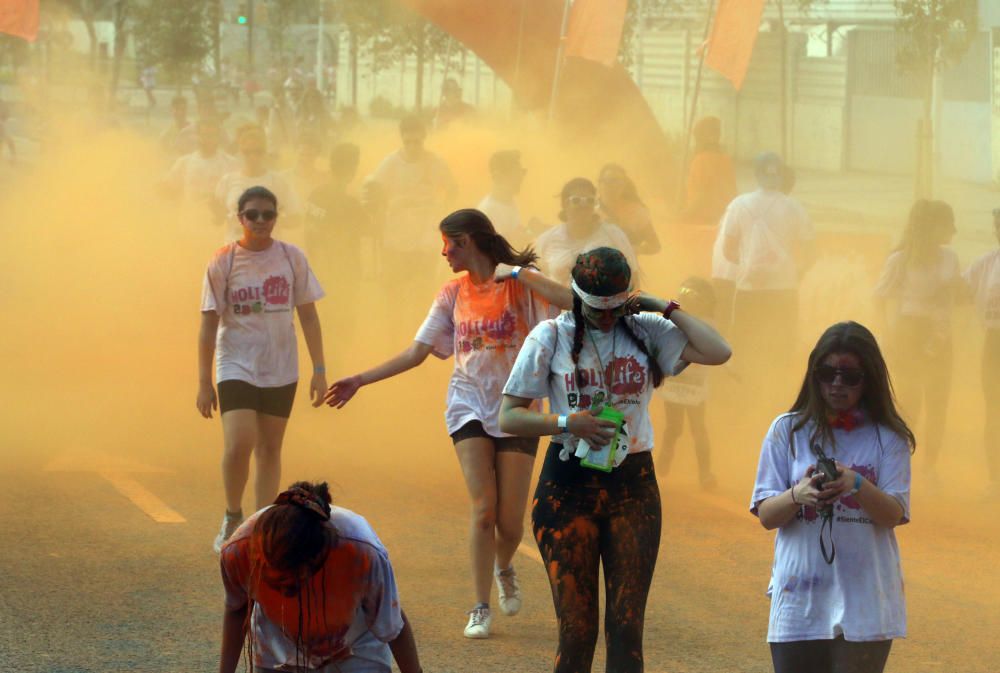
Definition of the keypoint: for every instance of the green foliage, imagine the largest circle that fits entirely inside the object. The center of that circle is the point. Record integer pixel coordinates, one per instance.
(280, 15)
(388, 32)
(939, 31)
(175, 35)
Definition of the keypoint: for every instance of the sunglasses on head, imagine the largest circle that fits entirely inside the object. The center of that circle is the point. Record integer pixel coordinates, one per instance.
(580, 200)
(259, 215)
(848, 377)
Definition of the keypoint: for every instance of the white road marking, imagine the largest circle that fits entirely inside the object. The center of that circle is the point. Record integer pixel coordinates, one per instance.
(150, 504)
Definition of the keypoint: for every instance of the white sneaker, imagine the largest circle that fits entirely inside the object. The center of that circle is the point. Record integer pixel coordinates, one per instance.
(479, 623)
(509, 590)
(230, 522)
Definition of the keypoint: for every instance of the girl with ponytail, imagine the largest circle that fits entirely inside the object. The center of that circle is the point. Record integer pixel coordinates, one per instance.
(598, 356)
(309, 587)
(482, 318)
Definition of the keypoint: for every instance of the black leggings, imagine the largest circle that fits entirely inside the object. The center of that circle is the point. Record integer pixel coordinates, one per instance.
(830, 656)
(583, 518)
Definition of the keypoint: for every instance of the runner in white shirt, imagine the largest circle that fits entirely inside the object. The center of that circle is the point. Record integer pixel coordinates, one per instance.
(767, 235)
(836, 586)
(581, 230)
(311, 587)
(251, 289)
(254, 171)
(594, 362)
(916, 293)
(983, 278)
(500, 205)
(196, 175)
(481, 318)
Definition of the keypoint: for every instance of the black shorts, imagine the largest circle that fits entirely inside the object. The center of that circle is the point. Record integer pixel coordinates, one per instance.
(526, 445)
(235, 394)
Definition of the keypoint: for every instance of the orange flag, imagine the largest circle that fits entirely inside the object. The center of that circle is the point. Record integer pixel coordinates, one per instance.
(595, 29)
(734, 33)
(19, 18)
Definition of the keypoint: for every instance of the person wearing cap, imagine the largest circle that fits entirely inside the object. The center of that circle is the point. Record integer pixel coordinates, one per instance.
(500, 205)
(597, 501)
(768, 237)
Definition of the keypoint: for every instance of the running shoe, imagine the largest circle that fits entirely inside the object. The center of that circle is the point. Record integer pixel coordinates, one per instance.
(509, 590)
(479, 623)
(230, 522)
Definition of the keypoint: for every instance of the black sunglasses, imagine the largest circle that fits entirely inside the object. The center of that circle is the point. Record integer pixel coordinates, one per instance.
(260, 215)
(580, 200)
(848, 377)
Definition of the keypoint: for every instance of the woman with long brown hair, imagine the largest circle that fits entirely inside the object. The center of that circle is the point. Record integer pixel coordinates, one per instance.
(481, 318)
(309, 587)
(834, 480)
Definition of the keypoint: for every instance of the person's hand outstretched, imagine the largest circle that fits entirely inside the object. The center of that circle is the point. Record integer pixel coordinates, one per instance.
(207, 400)
(317, 388)
(341, 392)
(586, 425)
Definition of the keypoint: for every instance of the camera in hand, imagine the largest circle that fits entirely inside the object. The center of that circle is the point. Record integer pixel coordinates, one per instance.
(828, 468)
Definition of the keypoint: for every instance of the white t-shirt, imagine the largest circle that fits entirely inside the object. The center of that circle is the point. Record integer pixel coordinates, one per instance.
(769, 225)
(557, 250)
(254, 294)
(722, 268)
(352, 627)
(860, 595)
(483, 326)
(197, 176)
(538, 373)
(920, 292)
(506, 218)
(232, 185)
(984, 279)
(416, 192)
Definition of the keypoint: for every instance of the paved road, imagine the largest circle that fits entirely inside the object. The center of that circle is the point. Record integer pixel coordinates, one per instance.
(89, 582)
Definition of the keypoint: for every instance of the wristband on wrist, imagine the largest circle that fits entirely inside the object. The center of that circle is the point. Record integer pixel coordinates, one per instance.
(319, 369)
(792, 491)
(671, 307)
(858, 480)
(515, 272)
(562, 422)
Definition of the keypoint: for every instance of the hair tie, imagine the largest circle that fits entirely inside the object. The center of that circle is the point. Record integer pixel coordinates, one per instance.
(304, 499)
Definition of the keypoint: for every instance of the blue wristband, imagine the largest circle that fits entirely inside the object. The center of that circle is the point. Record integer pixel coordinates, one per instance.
(514, 272)
(858, 480)
(319, 370)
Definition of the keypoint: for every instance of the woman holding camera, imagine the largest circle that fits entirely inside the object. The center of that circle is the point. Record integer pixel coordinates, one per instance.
(836, 607)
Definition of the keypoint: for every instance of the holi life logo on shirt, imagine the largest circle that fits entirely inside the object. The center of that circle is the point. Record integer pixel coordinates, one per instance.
(478, 334)
(847, 502)
(247, 300)
(626, 374)
(276, 290)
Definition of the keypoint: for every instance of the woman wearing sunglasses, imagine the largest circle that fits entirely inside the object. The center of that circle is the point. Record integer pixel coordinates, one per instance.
(481, 318)
(251, 288)
(581, 229)
(836, 607)
(592, 505)
(251, 143)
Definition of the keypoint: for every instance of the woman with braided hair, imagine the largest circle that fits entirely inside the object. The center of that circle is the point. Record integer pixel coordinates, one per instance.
(309, 587)
(481, 318)
(599, 361)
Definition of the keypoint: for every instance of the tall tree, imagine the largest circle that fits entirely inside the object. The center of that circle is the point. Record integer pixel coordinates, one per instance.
(175, 35)
(938, 33)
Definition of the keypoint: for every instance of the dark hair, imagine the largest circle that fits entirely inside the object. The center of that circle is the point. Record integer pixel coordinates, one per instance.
(629, 193)
(293, 538)
(479, 228)
(704, 290)
(412, 123)
(604, 272)
(918, 243)
(576, 184)
(256, 192)
(707, 133)
(344, 158)
(877, 398)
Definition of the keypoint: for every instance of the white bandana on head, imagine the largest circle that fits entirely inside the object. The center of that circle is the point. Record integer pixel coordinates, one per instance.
(600, 303)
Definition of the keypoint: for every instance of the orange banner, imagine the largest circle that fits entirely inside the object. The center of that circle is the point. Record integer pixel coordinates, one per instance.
(595, 29)
(734, 33)
(19, 18)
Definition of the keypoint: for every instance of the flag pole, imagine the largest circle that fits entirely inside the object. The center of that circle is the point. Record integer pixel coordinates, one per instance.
(694, 100)
(559, 58)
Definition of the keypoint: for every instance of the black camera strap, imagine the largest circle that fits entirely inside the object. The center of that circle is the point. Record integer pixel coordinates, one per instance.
(828, 526)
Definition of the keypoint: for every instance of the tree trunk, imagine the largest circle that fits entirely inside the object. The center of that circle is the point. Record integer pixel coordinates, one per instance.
(421, 44)
(354, 69)
(121, 39)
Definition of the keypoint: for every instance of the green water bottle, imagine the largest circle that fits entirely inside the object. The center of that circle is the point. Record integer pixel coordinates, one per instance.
(603, 459)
